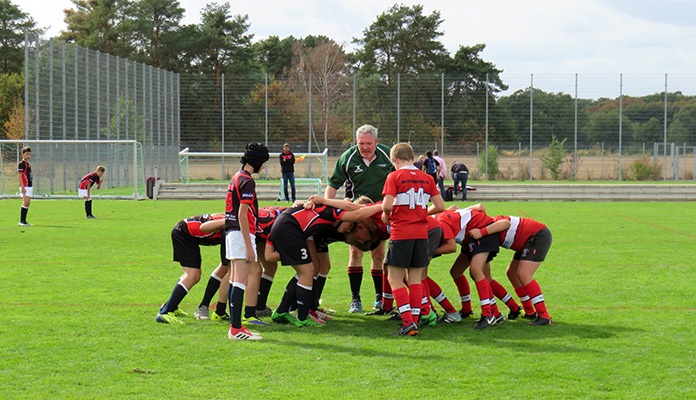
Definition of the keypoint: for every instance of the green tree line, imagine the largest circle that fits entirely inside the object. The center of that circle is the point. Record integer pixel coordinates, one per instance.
(400, 50)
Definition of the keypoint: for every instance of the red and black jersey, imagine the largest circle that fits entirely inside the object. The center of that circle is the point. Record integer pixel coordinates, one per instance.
(317, 219)
(458, 223)
(266, 218)
(192, 227)
(241, 190)
(89, 180)
(412, 190)
(519, 232)
(24, 169)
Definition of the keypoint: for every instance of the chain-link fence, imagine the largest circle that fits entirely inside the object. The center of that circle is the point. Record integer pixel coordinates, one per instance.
(73, 93)
(601, 123)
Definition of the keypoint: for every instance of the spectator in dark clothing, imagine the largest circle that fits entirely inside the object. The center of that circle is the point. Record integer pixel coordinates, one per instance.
(287, 167)
(419, 164)
(460, 174)
(430, 165)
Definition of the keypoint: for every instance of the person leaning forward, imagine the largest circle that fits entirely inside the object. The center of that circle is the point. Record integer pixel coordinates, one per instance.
(364, 169)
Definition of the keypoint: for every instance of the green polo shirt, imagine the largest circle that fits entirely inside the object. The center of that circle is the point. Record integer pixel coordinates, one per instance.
(360, 178)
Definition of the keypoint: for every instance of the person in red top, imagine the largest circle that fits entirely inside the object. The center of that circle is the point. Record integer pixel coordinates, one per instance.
(531, 241)
(407, 193)
(479, 252)
(241, 227)
(187, 236)
(26, 187)
(85, 190)
(288, 244)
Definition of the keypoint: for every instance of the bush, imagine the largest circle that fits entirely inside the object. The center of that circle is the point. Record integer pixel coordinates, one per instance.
(492, 162)
(554, 160)
(644, 170)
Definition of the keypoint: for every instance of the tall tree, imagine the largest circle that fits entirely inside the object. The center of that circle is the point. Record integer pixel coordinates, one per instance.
(154, 23)
(401, 40)
(328, 65)
(98, 25)
(225, 41)
(275, 55)
(13, 23)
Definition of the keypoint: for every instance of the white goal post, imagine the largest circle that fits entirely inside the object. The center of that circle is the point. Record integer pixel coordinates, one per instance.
(59, 165)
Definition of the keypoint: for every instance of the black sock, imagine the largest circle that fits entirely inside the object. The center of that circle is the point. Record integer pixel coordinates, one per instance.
(289, 297)
(377, 281)
(317, 289)
(249, 311)
(178, 294)
(23, 215)
(304, 301)
(210, 289)
(264, 289)
(355, 278)
(221, 308)
(88, 207)
(236, 301)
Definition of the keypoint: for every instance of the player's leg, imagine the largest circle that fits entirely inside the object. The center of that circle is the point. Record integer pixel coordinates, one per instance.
(355, 276)
(460, 265)
(377, 255)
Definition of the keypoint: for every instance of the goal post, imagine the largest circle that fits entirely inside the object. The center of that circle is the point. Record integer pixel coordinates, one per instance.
(59, 165)
(219, 165)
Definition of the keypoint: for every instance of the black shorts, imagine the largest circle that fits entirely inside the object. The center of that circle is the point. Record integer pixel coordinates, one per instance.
(536, 247)
(488, 243)
(289, 241)
(411, 253)
(434, 240)
(186, 248)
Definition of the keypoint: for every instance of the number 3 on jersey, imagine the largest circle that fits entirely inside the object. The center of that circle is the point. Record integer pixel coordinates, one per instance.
(304, 254)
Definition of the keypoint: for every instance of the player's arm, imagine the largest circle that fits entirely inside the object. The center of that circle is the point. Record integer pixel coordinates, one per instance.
(387, 207)
(335, 203)
(212, 226)
(437, 206)
(21, 182)
(447, 247)
(362, 213)
(496, 227)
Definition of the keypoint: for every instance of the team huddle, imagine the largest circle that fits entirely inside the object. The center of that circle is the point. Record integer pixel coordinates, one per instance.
(391, 207)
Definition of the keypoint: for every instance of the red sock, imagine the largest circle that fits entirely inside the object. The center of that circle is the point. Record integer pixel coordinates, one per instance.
(387, 295)
(415, 297)
(425, 301)
(484, 289)
(464, 292)
(537, 297)
(439, 296)
(401, 296)
(525, 300)
(494, 305)
(500, 292)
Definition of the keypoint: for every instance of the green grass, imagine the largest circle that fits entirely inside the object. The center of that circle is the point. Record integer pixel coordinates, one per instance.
(79, 298)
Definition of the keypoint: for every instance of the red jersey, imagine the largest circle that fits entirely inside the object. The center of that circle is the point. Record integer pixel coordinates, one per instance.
(241, 190)
(412, 190)
(520, 230)
(24, 169)
(317, 219)
(458, 223)
(89, 180)
(266, 218)
(193, 227)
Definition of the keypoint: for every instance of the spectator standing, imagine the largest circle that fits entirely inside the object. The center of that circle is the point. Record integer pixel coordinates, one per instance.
(460, 174)
(364, 169)
(430, 165)
(287, 167)
(441, 173)
(419, 164)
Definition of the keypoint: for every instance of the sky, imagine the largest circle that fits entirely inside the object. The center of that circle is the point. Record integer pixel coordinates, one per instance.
(595, 48)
